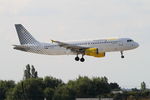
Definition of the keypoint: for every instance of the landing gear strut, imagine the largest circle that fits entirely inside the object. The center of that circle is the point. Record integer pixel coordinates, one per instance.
(122, 56)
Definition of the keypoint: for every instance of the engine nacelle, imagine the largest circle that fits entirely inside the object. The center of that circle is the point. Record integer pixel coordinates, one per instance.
(94, 52)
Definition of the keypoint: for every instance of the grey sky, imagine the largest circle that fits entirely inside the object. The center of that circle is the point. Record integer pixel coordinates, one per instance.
(75, 20)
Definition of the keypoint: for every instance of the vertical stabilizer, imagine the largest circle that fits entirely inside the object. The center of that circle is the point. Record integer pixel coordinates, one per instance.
(24, 36)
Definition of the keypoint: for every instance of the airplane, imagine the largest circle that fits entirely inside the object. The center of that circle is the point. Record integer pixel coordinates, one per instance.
(95, 48)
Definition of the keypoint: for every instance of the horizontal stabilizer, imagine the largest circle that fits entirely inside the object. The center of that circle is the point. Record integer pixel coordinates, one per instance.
(21, 47)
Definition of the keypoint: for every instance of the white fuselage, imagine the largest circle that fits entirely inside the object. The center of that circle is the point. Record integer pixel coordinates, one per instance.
(103, 45)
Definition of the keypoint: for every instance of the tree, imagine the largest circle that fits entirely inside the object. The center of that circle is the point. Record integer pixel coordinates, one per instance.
(101, 86)
(84, 87)
(29, 89)
(27, 73)
(90, 88)
(30, 72)
(5, 87)
(143, 86)
(64, 93)
(52, 82)
(114, 86)
(49, 93)
(33, 72)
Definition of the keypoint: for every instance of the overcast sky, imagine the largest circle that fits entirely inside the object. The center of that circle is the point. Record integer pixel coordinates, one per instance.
(76, 20)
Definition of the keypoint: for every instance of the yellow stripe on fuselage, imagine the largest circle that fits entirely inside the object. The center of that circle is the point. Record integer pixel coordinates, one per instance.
(112, 39)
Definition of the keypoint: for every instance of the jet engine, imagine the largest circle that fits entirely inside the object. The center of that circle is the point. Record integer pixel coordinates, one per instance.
(94, 52)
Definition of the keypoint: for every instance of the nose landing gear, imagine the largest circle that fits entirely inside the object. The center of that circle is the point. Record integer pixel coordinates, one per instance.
(122, 56)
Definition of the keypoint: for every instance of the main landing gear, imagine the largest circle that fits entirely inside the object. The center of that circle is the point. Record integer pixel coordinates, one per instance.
(77, 58)
(122, 56)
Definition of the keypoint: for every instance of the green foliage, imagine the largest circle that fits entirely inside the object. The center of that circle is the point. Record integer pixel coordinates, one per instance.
(83, 87)
(64, 93)
(114, 86)
(143, 86)
(54, 89)
(5, 87)
(34, 88)
(135, 94)
(34, 73)
(30, 72)
(30, 89)
(120, 96)
(101, 86)
(89, 88)
(49, 93)
(52, 82)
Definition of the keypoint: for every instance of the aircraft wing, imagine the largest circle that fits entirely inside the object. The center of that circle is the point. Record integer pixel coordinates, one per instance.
(73, 48)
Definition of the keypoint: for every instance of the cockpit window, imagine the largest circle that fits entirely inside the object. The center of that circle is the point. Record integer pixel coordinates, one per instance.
(129, 40)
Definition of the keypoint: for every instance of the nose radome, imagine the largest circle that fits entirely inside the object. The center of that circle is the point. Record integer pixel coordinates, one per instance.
(137, 45)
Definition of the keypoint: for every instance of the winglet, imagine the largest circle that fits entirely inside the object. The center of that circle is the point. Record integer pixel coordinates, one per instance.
(53, 41)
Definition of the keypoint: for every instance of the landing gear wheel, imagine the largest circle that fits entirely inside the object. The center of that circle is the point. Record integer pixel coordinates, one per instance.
(122, 56)
(77, 58)
(82, 59)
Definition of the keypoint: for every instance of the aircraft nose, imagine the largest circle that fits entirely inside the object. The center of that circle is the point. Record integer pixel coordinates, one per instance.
(136, 45)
